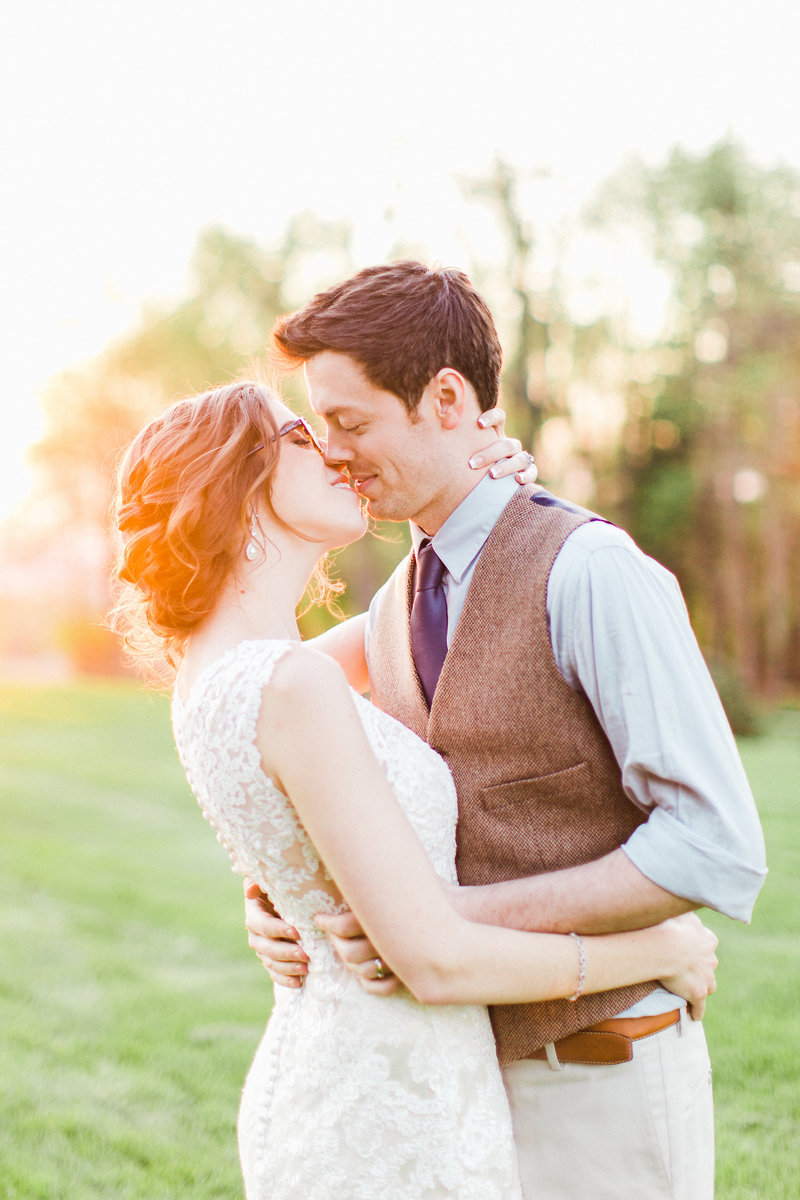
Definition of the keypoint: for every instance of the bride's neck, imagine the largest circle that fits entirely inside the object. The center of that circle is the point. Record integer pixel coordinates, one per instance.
(258, 601)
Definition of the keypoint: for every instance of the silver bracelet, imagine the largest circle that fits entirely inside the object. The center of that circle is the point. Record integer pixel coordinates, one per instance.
(581, 967)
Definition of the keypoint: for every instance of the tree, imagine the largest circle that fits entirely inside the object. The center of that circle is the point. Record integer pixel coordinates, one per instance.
(711, 447)
(219, 332)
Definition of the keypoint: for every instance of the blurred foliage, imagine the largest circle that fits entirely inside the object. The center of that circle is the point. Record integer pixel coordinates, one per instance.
(689, 439)
(219, 332)
(711, 448)
(741, 707)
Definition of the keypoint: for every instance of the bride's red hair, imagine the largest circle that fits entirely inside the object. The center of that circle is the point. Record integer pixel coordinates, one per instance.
(185, 490)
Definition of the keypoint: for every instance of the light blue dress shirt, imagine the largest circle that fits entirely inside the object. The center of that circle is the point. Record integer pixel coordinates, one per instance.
(620, 634)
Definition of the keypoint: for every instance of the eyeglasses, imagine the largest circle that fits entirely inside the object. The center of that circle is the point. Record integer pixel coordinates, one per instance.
(290, 426)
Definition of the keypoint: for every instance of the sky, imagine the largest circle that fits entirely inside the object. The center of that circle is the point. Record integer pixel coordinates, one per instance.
(129, 128)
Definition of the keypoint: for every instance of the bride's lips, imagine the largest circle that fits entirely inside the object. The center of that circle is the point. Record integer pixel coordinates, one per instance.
(343, 481)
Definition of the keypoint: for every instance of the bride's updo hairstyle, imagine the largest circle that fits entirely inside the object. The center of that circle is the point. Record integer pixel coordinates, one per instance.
(186, 487)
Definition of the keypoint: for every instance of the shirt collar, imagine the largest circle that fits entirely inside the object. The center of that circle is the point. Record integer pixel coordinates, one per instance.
(461, 538)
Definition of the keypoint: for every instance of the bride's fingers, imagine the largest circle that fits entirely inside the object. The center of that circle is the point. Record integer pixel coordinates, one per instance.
(493, 418)
(697, 1008)
(520, 464)
(529, 471)
(504, 456)
(498, 453)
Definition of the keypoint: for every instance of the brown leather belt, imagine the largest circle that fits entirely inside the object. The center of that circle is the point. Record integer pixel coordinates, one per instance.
(609, 1042)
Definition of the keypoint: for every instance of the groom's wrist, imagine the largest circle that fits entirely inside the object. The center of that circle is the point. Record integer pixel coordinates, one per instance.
(467, 902)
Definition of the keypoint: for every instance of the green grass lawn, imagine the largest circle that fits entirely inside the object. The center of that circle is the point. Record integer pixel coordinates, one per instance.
(130, 1005)
(753, 1021)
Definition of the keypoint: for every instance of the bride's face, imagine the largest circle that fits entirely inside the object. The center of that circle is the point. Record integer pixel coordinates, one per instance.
(311, 497)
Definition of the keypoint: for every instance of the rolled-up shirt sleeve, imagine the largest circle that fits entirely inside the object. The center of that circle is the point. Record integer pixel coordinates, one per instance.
(621, 635)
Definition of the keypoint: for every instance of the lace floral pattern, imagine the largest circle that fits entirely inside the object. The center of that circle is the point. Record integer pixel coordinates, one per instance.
(349, 1095)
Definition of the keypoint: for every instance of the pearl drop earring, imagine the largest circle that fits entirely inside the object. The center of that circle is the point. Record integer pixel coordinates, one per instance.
(251, 551)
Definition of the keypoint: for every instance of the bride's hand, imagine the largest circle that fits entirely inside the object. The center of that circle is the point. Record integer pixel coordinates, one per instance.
(694, 945)
(506, 453)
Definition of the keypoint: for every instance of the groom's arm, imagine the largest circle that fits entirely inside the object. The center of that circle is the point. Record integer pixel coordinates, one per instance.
(605, 896)
(621, 637)
(345, 643)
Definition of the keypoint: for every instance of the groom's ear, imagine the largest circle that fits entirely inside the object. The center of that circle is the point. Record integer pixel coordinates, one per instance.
(451, 395)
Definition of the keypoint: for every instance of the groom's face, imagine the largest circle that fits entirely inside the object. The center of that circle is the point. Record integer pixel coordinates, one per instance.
(397, 464)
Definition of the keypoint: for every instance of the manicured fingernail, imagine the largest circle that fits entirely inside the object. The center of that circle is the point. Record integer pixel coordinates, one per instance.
(483, 420)
(493, 472)
(476, 462)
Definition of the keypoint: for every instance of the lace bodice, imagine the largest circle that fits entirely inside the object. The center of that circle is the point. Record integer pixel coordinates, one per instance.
(350, 1095)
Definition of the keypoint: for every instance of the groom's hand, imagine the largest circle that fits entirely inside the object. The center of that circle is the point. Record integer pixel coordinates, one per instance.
(276, 943)
(357, 953)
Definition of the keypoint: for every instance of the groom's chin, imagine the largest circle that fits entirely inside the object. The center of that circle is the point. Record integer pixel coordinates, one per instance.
(383, 511)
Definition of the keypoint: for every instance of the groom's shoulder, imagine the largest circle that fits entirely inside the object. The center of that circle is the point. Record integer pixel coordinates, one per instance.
(546, 502)
(544, 518)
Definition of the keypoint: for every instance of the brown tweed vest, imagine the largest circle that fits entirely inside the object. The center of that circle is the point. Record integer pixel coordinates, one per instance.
(538, 786)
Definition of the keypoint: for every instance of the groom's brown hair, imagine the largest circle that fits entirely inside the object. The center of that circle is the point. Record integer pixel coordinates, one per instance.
(402, 322)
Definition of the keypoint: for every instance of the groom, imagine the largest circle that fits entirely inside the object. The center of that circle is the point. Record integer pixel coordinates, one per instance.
(553, 666)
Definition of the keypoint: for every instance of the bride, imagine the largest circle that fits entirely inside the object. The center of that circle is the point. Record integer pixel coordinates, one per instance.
(225, 510)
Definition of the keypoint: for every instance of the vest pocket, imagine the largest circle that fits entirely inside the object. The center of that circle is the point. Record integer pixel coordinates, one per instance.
(563, 788)
(539, 824)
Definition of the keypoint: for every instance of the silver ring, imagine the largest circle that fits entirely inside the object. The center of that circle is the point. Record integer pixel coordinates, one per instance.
(380, 969)
(529, 460)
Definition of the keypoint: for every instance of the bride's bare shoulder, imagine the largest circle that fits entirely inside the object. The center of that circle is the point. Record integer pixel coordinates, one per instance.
(307, 702)
(304, 676)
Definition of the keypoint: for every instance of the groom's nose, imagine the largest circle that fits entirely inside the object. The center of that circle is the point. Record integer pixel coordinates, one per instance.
(336, 454)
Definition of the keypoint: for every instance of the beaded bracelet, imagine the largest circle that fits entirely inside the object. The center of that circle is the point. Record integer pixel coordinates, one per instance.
(581, 967)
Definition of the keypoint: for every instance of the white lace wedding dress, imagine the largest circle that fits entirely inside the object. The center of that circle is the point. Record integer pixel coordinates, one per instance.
(350, 1096)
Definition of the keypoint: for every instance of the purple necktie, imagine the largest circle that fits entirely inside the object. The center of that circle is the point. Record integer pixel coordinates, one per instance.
(429, 619)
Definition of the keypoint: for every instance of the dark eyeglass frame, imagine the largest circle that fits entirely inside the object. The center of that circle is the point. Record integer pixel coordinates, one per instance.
(289, 427)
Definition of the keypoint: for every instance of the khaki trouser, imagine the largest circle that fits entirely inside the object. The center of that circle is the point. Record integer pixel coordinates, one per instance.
(641, 1130)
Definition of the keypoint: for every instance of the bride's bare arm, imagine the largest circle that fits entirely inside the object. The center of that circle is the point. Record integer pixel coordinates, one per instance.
(312, 741)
